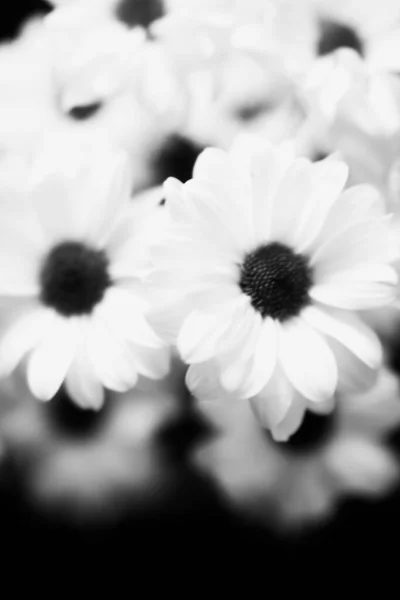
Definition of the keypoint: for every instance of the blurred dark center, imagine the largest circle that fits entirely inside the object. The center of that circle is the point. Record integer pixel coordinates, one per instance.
(71, 420)
(277, 280)
(250, 112)
(81, 113)
(139, 12)
(74, 278)
(175, 158)
(337, 35)
(312, 434)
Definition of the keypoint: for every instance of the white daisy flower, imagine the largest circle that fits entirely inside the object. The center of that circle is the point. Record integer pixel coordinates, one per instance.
(302, 481)
(73, 262)
(266, 262)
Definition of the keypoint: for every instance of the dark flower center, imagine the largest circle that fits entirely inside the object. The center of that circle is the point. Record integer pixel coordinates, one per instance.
(277, 280)
(312, 433)
(74, 278)
(81, 113)
(337, 35)
(253, 111)
(176, 157)
(139, 12)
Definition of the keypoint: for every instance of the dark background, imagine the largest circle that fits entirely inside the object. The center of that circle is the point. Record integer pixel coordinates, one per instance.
(191, 542)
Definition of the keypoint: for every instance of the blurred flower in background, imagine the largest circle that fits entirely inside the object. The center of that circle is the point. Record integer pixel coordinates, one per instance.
(87, 465)
(301, 481)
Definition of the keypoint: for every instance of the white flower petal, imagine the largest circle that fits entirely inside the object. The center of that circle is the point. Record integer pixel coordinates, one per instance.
(265, 357)
(212, 165)
(291, 421)
(233, 375)
(152, 363)
(267, 168)
(54, 203)
(358, 244)
(354, 375)
(272, 404)
(357, 204)
(174, 192)
(20, 254)
(307, 361)
(202, 380)
(290, 200)
(347, 329)
(200, 333)
(123, 311)
(353, 296)
(50, 360)
(363, 274)
(83, 387)
(112, 359)
(22, 336)
(328, 180)
(109, 192)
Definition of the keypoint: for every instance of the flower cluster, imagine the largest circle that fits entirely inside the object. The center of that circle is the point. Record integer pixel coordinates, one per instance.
(218, 182)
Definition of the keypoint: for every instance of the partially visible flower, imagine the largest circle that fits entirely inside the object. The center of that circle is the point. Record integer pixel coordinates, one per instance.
(253, 95)
(88, 465)
(352, 96)
(371, 29)
(301, 481)
(34, 96)
(74, 257)
(200, 33)
(264, 266)
(95, 57)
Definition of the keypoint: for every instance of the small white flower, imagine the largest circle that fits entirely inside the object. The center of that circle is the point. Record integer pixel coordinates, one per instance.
(328, 458)
(266, 262)
(73, 258)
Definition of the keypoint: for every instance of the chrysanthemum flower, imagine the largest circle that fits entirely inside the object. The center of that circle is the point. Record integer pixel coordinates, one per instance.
(266, 263)
(74, 254)
(329, 457)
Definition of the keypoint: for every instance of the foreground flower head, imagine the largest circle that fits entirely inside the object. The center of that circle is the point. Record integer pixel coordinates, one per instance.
(330, 457)
(266, 263)
(73, 259)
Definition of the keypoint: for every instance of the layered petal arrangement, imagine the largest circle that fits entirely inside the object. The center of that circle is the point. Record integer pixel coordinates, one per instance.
(268, 259)
(216, 183)
(74, 260)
